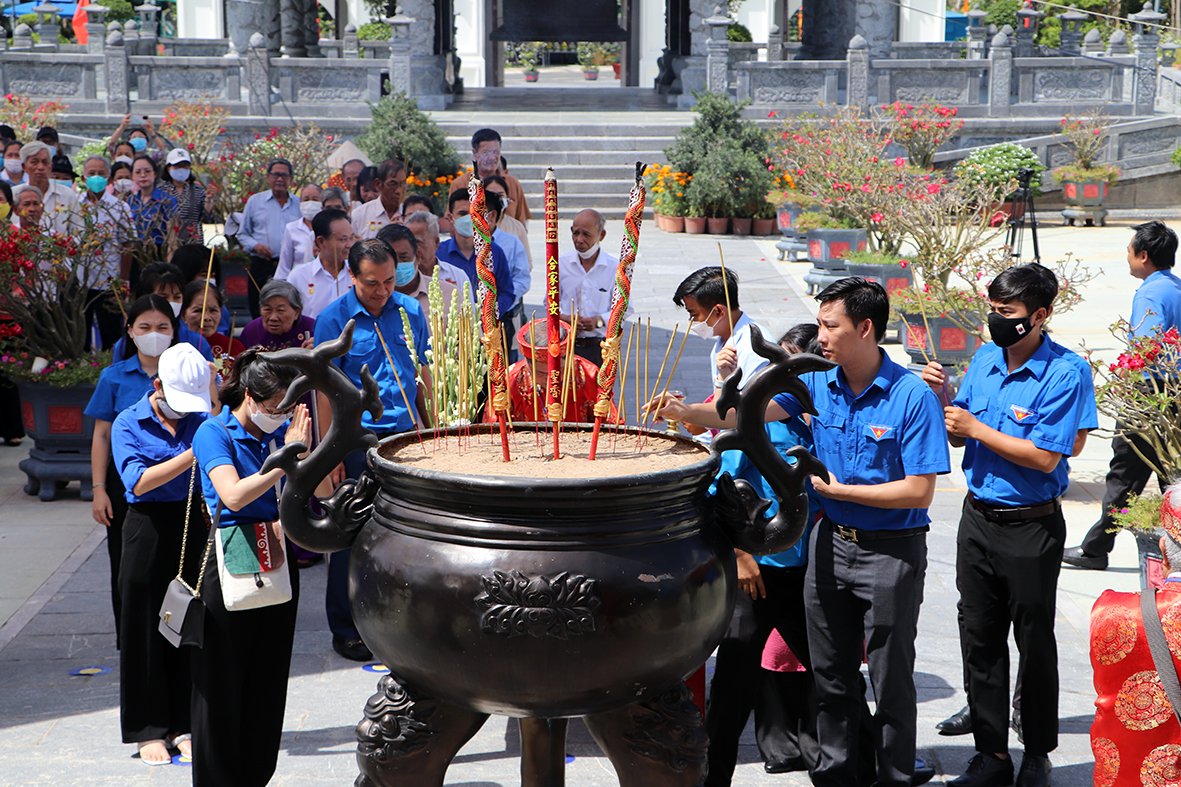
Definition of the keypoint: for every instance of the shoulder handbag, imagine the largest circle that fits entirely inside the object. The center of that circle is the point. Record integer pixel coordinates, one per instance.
(182, 615)
(1162, 658)
(251, 564)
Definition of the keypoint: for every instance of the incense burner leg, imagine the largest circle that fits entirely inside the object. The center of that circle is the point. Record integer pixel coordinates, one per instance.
(660, 741)
(408, 740)
(543, 752)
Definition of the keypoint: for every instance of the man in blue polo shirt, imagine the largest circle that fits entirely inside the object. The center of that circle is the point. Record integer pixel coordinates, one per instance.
(879, 430)
(1017, 414)
(1156, 308)
(379, 341)
(460, 251)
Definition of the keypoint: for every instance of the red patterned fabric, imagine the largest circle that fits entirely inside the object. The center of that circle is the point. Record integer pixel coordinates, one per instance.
(1135, 737)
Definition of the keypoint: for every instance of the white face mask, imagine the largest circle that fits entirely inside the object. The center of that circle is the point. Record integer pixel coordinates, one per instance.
(704, 330)
(592, 251)
(123, 186)
(152, 344)
(175, 308)
(167, 411)
(309, 209)
(13, 166)
(265, 421)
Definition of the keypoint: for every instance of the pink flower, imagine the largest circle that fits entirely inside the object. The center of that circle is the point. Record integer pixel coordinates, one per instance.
(900, 162)
(932, 188)
(877, 218)
(903, 263)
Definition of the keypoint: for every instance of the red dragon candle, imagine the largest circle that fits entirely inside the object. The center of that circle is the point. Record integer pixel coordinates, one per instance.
(553, 309)
(489, 316)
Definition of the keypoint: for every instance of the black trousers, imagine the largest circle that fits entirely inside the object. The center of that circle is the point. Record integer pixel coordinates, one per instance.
(261, 271)
(1008, 575)
(115, 492)
(740, 684)
(1126, 475)
(155, 684)
(11, 425)
(240, 687)
(864, 598)
(590, 349)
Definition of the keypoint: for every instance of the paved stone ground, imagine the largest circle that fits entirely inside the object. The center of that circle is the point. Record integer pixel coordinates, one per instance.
(61, 730)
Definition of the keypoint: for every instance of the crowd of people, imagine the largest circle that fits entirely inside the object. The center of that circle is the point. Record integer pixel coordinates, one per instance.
(189, 399)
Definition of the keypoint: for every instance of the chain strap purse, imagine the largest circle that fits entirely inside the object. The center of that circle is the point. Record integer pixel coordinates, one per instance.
(182, 615)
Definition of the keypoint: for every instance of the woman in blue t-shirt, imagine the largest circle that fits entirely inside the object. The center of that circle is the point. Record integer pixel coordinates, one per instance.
(151, 329)
(151, 444)
(240, 672)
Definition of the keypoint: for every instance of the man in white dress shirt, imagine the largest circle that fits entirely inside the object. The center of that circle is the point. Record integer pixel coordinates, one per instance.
(369, 218)
(298, 238)
(326, 278)
(586, 278)
(62, 208)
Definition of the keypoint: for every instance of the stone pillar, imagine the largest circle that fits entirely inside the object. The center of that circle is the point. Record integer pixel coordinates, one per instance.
(311, 29)
(717, 54)
(149, 28)
(96, 29)
(22, 37)
(877, 22)
(774, 44)
(1118, 43)
(117, 77)
(1028, 21)
(977, 34)
(291, 28)
(400, 54)
(244, 16)
(1093, 42)
(131, 37)
(1145, 38)
(1072, 31)
(258, 75)
(858, 65)
(46, 22)
(351, 45)
(1000, 81)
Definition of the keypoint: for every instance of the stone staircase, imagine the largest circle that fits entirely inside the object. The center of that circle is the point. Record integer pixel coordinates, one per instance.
(593, 154)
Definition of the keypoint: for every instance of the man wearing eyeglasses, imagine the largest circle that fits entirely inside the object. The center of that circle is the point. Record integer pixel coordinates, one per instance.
(266, 215)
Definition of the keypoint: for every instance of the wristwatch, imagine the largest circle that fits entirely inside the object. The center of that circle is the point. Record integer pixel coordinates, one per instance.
(599, 322)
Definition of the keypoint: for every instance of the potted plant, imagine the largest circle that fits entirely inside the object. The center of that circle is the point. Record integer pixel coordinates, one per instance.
(47, 282)
(526, 55)
(667, 189)
(889, 270)
(590, 57)
(764, 220)
(750, 180)
(829, 238)
(1085, 183)
(992, 173)
(1141, 517)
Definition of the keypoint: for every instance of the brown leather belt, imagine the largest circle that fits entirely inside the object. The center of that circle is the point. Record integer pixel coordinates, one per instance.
(1007, 515)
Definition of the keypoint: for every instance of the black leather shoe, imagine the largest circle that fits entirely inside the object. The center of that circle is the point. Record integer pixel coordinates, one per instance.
(1075, 556)
(959, 723)
(985, 770)
(1035, 771)
(352, 649)
(785, 766)
(923, 773)
(1015, 725)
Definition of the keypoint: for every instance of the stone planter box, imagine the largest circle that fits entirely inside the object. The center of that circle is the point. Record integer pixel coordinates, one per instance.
(828, 246)
(892, 277)
(786, 216)
(947, 342)
(55, 420)
(1152, 571)
(1084, 194)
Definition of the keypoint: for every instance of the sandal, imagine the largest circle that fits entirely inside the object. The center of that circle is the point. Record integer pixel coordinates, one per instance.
(147, 744)
(175, 743)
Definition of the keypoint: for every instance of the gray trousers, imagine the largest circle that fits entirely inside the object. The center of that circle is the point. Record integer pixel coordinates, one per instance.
(864, 598)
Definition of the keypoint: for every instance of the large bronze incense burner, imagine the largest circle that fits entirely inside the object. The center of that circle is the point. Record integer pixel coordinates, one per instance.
(538, 597)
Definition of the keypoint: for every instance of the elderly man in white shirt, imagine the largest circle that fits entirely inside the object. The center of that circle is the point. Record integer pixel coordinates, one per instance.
(61, 205)
(586, 278)
(369, 218)
(296, 247)
(326, 278)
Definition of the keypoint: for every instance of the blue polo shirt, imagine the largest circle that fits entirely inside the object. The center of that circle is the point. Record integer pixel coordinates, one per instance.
(185, 334)
(1041, 401)
(140, 441)
(1090, 414)
(506, 295)
(784, 435)
(222, 440)
(119, 386)
(893, 429)
(1156, 306)
(367, 349)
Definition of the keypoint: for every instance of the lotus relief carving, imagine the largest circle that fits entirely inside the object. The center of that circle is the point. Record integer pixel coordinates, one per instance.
(515, 605)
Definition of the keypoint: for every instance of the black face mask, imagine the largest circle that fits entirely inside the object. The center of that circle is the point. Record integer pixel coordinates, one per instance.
(1007, 331)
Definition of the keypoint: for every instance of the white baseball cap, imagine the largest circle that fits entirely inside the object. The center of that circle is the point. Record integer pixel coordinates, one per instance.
(184, 374)
(178, 156)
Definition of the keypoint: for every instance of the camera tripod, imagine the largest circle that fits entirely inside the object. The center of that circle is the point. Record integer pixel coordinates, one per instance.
(1021, 214)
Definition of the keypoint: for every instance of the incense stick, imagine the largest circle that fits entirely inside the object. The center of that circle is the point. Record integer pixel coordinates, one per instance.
(621, 410)
(726, 289)
(671, 337)
(398, 380)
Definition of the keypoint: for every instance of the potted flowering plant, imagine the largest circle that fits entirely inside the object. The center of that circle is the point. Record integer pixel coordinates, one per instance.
(47, 283)
(993, 172)
(921, 129)
(889, 270)
(1085, 182)
(667, 187)
(1141, 517)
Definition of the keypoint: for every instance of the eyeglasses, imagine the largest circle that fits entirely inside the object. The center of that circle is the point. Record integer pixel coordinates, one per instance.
(284, 175)
(277, 413)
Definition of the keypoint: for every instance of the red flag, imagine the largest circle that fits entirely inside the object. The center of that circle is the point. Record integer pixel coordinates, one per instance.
(79, 23)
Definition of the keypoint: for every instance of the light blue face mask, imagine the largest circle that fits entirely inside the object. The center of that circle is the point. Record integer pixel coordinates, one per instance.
(52, 151)
(138, 144)
(463, 226)
(96, 183)
(404, 273)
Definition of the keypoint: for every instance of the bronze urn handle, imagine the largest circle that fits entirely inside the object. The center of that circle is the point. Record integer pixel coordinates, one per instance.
(738, 508)
(351, 504)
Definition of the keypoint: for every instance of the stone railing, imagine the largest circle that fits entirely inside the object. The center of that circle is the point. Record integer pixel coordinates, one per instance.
(70, 78)
(1168, 93)
(167, 79)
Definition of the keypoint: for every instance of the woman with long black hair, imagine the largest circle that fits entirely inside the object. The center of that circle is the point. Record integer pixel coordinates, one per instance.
(151, 329)
(240, 673)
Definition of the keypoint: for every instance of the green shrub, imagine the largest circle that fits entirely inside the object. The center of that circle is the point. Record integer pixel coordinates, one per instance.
(1001, 13)
(738, 33)
(730, 181)
(119, 11)
(996, 168)
(400, 130)
(373, 31)
(718, 120)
